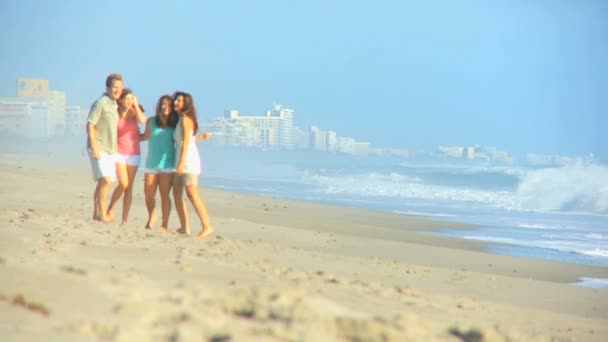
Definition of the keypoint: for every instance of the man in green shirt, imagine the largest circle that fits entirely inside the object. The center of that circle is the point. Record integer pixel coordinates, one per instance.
(101, 143)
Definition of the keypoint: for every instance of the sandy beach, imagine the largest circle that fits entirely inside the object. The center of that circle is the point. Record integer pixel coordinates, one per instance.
(276, 270)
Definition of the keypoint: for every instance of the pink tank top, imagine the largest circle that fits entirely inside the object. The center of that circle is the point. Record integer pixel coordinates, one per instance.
(128, 136)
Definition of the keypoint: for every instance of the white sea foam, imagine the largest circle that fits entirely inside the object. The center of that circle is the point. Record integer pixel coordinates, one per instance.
(421, 213)
(582, 248)
(579, 189)
(596, 283)
(540, 226)
(399, 186)
(582, 188)
(596, 252)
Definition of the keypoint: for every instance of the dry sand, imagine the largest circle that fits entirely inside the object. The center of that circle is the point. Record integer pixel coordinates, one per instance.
(276, 270)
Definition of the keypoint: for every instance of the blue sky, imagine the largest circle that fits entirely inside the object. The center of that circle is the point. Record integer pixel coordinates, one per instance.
(522, 75)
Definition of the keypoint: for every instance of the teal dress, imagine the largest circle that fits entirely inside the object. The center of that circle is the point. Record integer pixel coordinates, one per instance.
(161, 147)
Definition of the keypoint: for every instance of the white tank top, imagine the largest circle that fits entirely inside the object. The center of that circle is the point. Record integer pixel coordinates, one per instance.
(193, 159)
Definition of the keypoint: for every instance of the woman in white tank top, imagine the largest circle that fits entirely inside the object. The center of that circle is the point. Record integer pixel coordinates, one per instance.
(188, 165)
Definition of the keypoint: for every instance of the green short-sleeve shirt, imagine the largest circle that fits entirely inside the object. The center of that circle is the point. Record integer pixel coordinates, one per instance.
(104, 115)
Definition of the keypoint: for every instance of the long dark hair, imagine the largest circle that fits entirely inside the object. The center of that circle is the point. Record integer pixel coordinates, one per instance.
(189, 109)
(161, 119)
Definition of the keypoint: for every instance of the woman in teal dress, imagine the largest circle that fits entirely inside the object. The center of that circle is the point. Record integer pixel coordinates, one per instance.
(160, 161)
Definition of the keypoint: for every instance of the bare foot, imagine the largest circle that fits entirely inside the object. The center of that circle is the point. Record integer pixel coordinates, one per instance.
(124, 221)
(162, 229)
(105, 219)
(184, 231)
(205, 232)
(109, 216)
(151, 221)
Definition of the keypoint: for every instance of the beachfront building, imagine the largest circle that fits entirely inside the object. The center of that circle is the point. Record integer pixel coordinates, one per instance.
(394, 152)
(317, 139)
(75, 118)
(331, 141)
(275, 129)
(451, 151)
(38, 90)
(503, 157)
(361, 148)
(302, 138)
(346, 145)
(28, 117)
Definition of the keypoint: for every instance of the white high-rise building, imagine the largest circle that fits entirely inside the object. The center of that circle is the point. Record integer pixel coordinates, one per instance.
(317, 138)
(331, 141)
(275, 129)
(346, 145)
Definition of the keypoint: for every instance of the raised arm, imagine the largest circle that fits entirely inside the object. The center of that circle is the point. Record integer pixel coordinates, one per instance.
(139, 114)
(147, 131)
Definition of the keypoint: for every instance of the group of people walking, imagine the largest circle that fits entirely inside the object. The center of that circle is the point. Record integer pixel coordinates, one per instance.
(172, 162)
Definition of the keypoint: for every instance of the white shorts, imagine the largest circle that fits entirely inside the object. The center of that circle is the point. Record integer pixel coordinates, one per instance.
(132, 160)
(105, 166)
(157, 171)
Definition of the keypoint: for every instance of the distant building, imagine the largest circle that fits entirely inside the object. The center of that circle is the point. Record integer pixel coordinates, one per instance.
(331, 141)
(32, 87)
(469, 152)
(557, 160)
(454, 152)
(75, 120)
(503, 157)
(317, 139)
(400, 152)
(38, 90)
(275, 129)
(302, 138)
(28, 117)
(361, 148)
(346, 145)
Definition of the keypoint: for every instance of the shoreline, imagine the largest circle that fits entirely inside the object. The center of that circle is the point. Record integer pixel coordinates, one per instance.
(275, 269)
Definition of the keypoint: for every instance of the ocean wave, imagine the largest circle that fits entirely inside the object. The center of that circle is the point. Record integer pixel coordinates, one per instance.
(596, 252)
(542, 226)
(596, 236)
(399, 186)
(420, 213)
(581, 188)
(571, 189)
(596, 283)
(582, 248)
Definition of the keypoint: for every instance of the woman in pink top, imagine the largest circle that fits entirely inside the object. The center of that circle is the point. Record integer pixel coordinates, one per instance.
(130, 116)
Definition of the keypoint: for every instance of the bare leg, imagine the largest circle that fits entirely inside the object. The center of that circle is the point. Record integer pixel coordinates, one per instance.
(180, 207)
(150, 185)
(96, 213)
(201, 210)
(123, 182)
(126, 204)
(103, 183)
(165, 181)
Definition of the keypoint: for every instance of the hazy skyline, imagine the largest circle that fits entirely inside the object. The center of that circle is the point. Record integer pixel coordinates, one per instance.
(525, 76)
